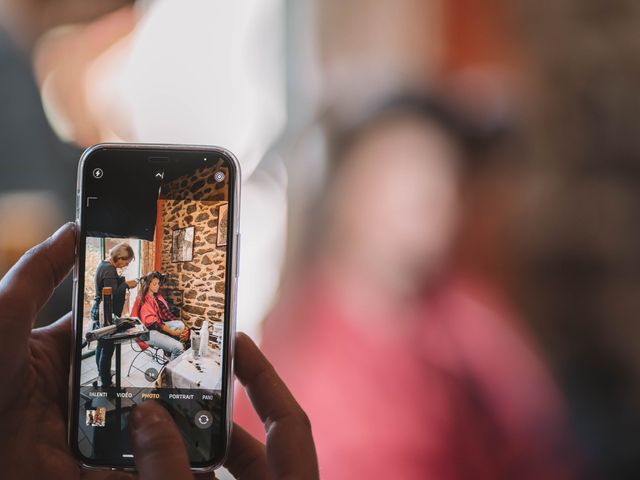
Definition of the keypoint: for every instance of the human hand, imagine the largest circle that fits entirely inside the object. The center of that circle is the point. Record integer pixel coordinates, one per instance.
(33, 18)
(33, 394)
(289, 452)
(64, 59)
(131, 283)
(35, 366)
(184, 335)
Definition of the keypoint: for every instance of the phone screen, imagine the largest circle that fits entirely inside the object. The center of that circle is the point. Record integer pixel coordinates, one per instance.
(154, 297)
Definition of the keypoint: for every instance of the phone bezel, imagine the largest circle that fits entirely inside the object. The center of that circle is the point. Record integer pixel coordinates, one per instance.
(230, 286)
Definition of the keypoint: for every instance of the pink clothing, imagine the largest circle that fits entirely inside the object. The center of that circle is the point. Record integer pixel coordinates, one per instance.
(150, 313)
(135, 310)
(456, 393)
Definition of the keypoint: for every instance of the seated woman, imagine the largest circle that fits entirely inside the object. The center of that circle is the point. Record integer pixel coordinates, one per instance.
(165, 330)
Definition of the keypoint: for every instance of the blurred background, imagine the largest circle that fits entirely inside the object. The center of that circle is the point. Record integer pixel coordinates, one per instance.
(440, 212)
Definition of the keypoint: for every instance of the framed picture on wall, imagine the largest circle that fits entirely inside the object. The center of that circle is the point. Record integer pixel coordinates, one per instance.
(223, 220)
(182, 244)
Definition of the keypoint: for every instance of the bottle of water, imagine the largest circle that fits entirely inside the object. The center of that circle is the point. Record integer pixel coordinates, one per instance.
(204, 338)
(195, 344)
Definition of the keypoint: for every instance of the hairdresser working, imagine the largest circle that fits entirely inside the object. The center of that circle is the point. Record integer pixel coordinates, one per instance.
(120, 256)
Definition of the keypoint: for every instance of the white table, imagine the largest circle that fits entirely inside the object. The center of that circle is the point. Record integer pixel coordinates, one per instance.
(189, 373)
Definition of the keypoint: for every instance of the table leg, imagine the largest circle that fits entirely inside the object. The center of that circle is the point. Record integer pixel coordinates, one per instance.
(118, 366)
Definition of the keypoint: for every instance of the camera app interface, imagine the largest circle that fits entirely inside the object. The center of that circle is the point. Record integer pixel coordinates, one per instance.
(154, 296)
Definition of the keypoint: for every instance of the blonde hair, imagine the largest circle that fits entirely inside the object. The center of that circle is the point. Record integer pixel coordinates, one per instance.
(121, 251)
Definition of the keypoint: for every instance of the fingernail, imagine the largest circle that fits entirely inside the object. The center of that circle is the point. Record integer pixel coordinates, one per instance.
(63, 229)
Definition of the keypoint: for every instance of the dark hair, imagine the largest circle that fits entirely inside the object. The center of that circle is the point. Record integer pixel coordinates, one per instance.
(475, 137)
(146, 283)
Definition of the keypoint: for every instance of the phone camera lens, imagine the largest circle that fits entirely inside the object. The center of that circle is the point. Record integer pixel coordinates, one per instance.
(218, 176)
(97, 173)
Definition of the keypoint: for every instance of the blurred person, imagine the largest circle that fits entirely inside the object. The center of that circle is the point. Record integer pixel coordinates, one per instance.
(407, 367)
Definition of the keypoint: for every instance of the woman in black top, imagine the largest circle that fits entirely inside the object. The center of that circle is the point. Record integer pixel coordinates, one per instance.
(107, 276)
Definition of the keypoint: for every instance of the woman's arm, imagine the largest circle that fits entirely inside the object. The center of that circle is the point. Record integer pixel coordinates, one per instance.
(148, 314)
(173, 333)
(122, 286)
(108, 277)
(166, 316)
(164, 312)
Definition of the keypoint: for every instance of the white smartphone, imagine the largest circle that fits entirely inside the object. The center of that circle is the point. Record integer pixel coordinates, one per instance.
(154, 297)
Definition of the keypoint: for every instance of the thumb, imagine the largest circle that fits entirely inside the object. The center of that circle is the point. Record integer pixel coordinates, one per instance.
(157, 444)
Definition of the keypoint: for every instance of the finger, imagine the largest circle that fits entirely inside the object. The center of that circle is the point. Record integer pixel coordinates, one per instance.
(205, 476)
(268, 393)
(50, 349)
(23, 291)
(158, 447)
(53, 344)
(290, 448)
(247, 457)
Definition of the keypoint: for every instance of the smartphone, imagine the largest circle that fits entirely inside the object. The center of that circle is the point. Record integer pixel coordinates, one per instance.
(154, 297)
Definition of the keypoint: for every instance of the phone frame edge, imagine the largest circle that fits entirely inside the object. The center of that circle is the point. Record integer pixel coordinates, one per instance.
(229, 349)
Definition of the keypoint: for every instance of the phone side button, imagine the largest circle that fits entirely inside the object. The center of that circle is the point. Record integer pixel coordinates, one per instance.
(77, 239)
(237, 255)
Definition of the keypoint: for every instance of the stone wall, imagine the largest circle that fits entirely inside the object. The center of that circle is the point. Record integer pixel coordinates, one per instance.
(201, 280)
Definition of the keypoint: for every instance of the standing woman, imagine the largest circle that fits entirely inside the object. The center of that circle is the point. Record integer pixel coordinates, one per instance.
(107, 276)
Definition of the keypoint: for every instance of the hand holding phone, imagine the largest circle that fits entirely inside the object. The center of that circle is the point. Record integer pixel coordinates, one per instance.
(34, 381)
(289, 451)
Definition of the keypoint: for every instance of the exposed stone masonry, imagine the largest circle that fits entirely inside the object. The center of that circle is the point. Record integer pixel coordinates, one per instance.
(201, 280)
